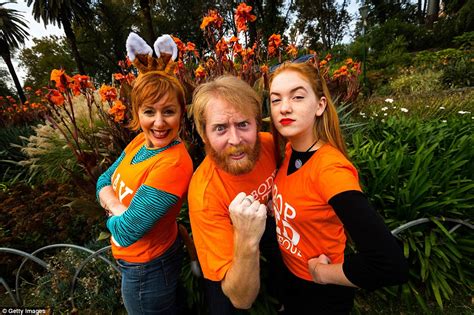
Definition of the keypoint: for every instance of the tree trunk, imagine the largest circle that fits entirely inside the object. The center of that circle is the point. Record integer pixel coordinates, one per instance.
(7, 58)
(432, 14)
(71, 37)
(146, 11)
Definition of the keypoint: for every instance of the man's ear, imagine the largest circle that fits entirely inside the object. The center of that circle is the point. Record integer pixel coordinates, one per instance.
(322, 103)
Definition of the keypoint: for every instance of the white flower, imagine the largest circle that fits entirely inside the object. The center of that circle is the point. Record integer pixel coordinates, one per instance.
(383, 120)
(384, 108)
(442, 107)
(463, 112)
(385, 114)
(362, 114)
(389, 100)
(444, 121)
(403, 109)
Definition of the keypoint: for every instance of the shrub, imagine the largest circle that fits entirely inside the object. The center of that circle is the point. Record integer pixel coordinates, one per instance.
(414, 169)
(459, 73)
(413, 81)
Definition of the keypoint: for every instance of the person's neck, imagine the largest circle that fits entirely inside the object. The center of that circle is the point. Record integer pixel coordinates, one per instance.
(305, 145)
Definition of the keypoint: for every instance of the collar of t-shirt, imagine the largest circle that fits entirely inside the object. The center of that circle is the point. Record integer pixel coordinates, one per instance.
(297, 160)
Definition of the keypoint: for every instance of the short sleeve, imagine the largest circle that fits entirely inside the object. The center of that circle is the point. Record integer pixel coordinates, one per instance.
(213, 237)
(170, 177)
(337, 177)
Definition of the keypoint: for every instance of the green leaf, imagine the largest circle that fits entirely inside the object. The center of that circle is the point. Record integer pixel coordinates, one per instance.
(103, 236)
(442, 228)
(427, 246)
(435, 288)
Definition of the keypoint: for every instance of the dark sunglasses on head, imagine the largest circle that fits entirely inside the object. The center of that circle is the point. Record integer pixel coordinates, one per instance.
(300, 59)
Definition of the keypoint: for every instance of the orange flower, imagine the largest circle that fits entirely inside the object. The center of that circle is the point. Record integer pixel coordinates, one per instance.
(81, 83)
(292, 50)
(212, 19)
(55, 97)
(118, 111)
(322, 63)
(61, 79)
(210, 63)
(180, 44)
(221, 47)
(242, 16)
(328, 57)
(28, 88)
(349, 61)
(200, 72)
(38, 92)
(274, 42)
(264, 69)
(107, 93)
(119, 77)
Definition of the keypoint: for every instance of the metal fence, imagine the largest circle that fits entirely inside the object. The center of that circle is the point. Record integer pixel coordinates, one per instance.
(17, 300)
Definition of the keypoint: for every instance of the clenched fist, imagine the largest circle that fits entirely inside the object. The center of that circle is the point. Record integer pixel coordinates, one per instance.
(248, 218)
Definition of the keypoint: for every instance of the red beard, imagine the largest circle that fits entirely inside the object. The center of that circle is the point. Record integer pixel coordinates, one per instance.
(235, 167)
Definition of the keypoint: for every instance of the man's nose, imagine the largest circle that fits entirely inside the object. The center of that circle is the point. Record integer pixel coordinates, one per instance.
(234, 136)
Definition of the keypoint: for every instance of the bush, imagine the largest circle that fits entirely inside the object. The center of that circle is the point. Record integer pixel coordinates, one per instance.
(413, 81)
(459, 73)
(413, 169)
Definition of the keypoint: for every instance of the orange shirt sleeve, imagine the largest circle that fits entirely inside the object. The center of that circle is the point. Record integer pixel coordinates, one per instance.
(213, 237)
(171, 177)
(336, 175)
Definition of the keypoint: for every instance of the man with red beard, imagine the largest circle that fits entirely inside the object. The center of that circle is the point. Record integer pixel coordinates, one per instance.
(229, 192)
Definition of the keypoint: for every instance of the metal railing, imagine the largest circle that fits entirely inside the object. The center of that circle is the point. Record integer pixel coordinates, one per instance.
(18, 301)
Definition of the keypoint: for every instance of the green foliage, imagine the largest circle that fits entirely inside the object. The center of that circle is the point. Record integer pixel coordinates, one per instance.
(464, 41)
(380, 37)
(413, 168)
(459, 73)
(97, 289)
(415, 82)
(45, 54)
(11, 142)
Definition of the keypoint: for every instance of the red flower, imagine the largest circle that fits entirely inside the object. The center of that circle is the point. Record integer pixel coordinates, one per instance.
(55, 97)
(119, 77)
(274, 43)
(292, 50)
(61, 79)
(222, 49)
(242, 16)
(212, 19)
(81, 83)
(118, 111)
(200, 73)
(180, 44)
(107, 93)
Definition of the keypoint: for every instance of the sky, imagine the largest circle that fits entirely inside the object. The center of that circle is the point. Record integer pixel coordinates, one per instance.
(37, 30)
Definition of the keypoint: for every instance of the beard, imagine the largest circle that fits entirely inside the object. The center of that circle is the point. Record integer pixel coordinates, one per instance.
(224, 161)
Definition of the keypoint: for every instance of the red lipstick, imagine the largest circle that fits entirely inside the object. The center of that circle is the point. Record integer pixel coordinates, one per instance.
(286, 121)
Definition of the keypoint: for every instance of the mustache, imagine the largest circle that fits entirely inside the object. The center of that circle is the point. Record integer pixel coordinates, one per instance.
(237, 149)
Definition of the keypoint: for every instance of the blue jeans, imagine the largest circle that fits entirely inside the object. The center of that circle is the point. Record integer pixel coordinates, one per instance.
(150, 288)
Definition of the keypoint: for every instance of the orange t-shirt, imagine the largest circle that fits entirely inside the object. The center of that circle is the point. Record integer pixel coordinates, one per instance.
(210, 192)
(307, 225)
(169, 171)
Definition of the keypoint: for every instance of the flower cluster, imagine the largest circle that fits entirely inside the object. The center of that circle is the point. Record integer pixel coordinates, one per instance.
(251, 61)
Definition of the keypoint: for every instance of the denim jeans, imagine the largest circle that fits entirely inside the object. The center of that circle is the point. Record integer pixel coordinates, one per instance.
(150, 288)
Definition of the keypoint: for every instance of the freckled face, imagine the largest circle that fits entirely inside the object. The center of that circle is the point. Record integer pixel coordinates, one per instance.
(231, 137)
(294, 106)
(160, 121)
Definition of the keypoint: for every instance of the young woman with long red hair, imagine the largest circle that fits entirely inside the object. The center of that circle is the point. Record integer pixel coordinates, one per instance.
(317, 199)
